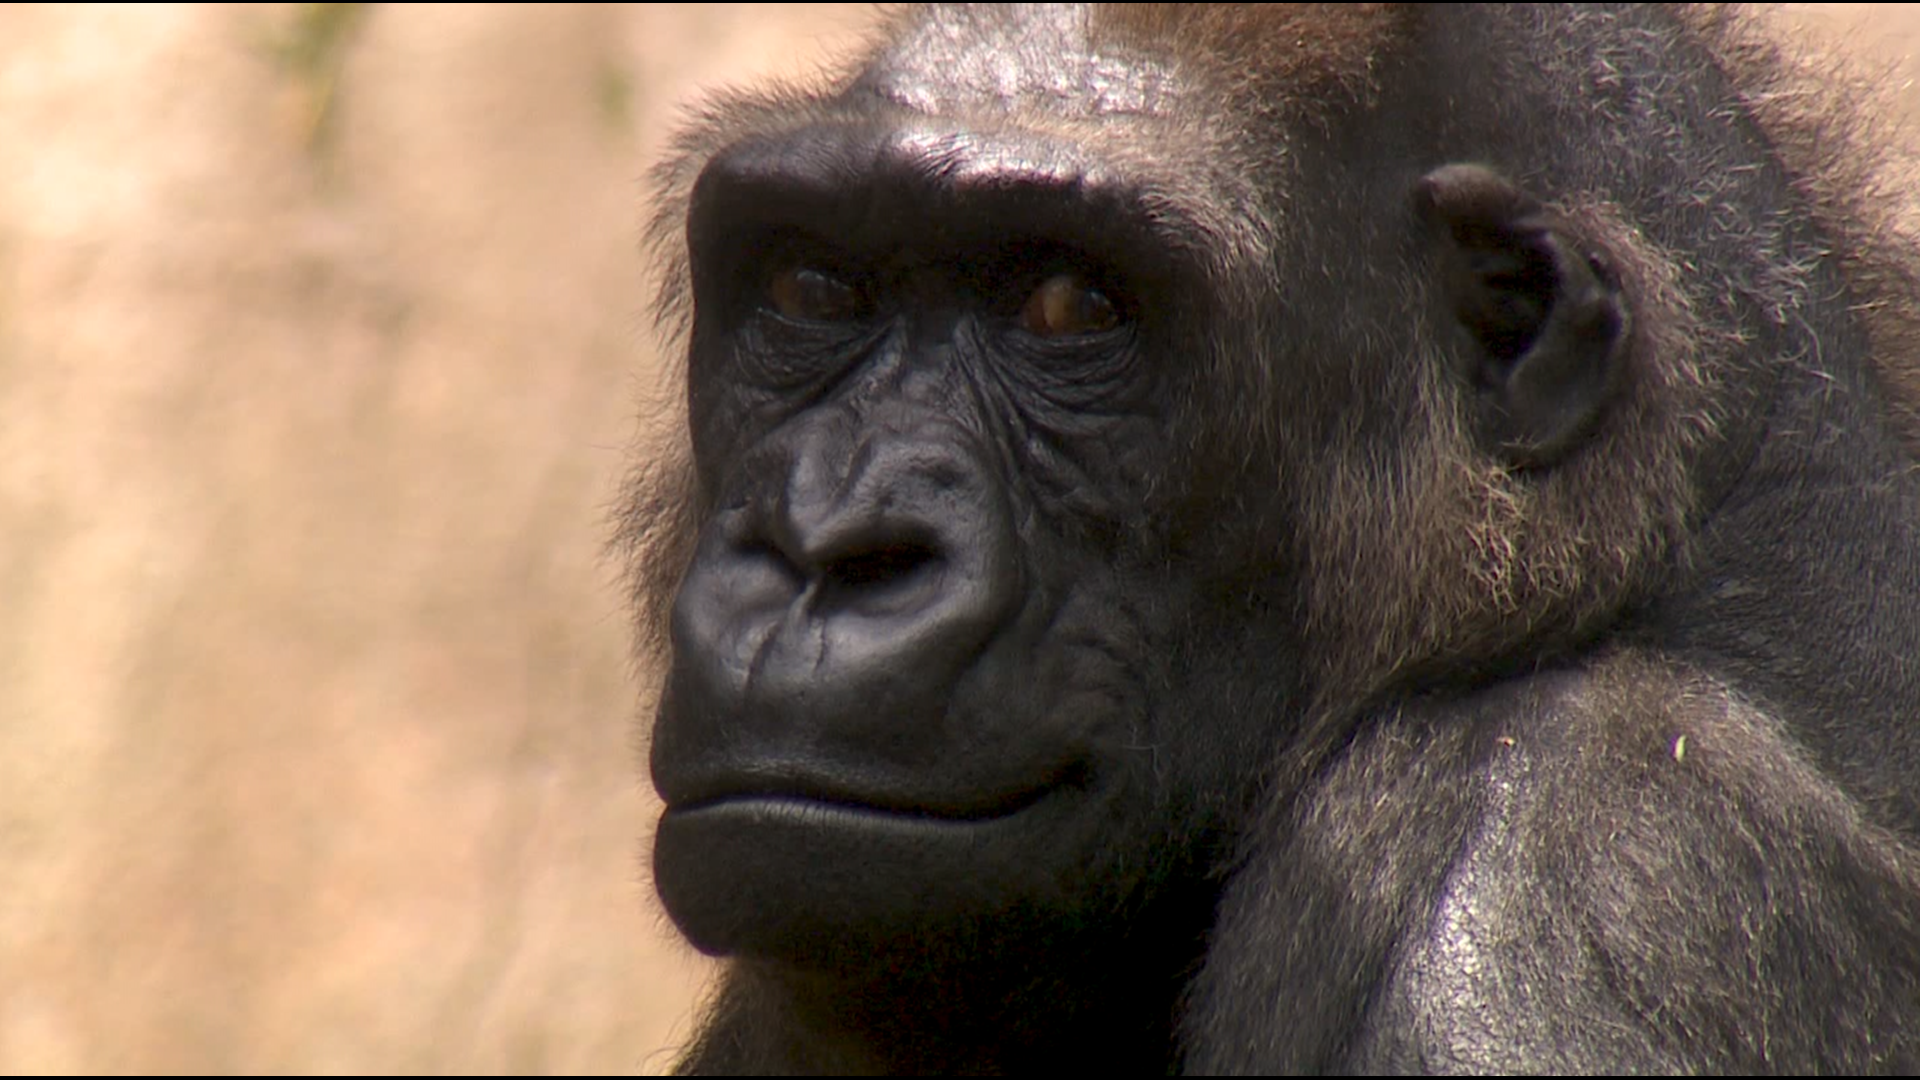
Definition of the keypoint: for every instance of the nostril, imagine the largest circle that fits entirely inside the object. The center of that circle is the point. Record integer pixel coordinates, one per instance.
(869, 570)
(759, 553)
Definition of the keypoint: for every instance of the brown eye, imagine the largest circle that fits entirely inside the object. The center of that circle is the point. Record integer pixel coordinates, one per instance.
(800, 293)
(1065, 305)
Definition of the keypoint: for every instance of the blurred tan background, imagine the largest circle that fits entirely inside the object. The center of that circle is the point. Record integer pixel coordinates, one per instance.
(322, 333)
(322, 336)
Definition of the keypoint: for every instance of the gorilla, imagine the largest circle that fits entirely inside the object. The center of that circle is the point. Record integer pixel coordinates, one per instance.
(1291, 537)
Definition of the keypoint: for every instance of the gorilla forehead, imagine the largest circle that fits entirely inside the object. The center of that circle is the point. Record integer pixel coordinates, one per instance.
(1082, 61)
(1016, 55)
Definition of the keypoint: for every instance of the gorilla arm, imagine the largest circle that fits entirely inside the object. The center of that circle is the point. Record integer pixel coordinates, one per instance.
(1500, 875)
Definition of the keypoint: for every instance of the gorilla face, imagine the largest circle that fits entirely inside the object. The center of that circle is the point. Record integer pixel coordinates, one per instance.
(938, 642)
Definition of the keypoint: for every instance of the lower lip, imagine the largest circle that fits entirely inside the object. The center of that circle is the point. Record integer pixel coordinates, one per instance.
(802, 879)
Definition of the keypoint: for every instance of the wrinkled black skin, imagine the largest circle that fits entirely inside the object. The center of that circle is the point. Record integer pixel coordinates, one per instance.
(982, 671)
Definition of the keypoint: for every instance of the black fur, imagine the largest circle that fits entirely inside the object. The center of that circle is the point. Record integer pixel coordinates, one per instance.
(1464, 614)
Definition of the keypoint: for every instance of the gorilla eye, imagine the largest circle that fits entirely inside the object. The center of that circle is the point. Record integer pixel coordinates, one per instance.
(1065, 305)
(812, 296)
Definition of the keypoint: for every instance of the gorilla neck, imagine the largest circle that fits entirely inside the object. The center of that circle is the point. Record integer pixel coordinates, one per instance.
(1818, 541)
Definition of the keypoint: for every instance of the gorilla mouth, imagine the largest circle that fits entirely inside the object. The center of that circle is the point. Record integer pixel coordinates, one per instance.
(807, 872)
(816, 797)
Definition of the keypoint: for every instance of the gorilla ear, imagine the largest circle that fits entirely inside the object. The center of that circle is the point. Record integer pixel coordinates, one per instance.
(1544, 313)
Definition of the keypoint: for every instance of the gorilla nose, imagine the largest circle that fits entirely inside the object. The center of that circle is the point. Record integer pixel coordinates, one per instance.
(877, 540)
(856, 584)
